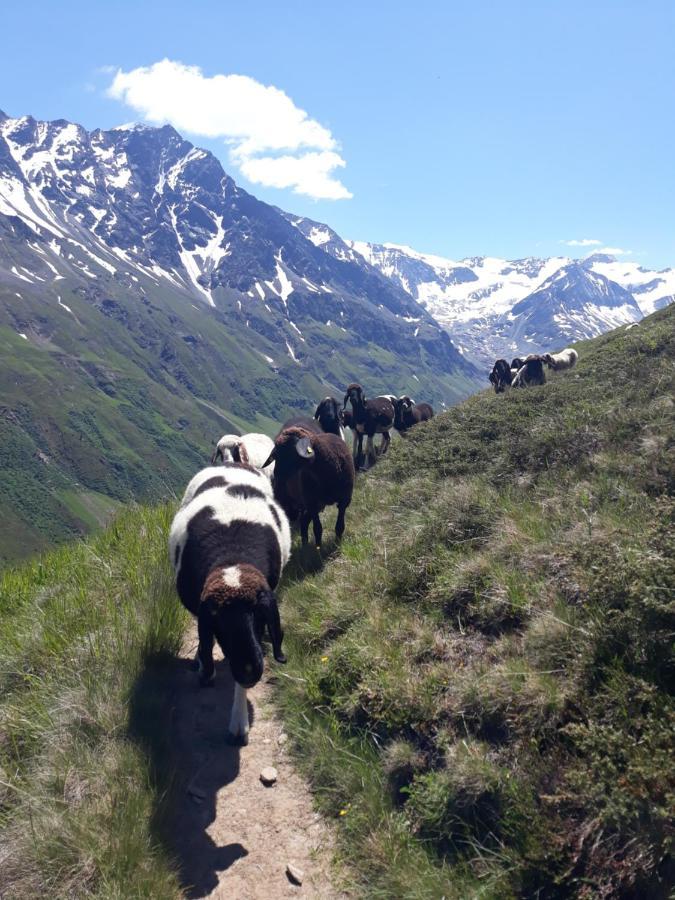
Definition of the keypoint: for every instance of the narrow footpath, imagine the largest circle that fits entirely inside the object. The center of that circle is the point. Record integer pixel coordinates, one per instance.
(233, 836)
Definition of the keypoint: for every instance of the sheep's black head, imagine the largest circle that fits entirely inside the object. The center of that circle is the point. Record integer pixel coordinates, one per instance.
(240, 603)
(548, 359)
(328, 415)
(517, 363)
(354, 394)
(293, 452)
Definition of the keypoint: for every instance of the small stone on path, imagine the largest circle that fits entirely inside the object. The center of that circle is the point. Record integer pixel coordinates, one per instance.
(268, 776)
(294, 874)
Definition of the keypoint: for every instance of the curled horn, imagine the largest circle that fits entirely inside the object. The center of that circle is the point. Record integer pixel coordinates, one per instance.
(270, 458)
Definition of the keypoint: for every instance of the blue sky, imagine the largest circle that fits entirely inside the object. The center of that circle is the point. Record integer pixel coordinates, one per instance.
(465, 128)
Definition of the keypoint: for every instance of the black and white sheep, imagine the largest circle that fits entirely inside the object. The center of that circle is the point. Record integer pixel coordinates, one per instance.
(531, 372)
(252, 449)
(311, 471)
(369, 417)
(328, 416)
(565, 359)
(407, 414)
(501, 376)
(229, 543)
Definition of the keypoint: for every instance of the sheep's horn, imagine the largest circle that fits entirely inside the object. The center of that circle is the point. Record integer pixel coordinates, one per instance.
(270, 458)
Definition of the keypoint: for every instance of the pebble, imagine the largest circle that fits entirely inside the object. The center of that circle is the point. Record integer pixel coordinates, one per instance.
(268, 776)
(294, 874)
(282, 738)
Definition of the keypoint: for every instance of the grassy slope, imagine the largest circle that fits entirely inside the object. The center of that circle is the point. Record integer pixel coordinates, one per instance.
(80, 631)
(480, 684)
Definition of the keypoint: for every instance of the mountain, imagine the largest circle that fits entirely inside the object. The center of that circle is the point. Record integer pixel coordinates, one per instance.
(478, 300)
(147, 304)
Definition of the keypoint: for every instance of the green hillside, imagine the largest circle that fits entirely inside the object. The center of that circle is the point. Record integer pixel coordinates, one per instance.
(479, 683)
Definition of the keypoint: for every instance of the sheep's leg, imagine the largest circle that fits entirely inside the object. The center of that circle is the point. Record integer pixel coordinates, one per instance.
(356, 444)
(207, 670)
(340, 524)
(384, 446)
(238, 731)
(370, 451)
(305, 519)
(318, 530)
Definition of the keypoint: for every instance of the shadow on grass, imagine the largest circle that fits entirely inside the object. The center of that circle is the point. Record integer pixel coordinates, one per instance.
(182, 730)
(307, 560)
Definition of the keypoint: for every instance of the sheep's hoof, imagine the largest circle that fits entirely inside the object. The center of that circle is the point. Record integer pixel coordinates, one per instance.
(237, 740)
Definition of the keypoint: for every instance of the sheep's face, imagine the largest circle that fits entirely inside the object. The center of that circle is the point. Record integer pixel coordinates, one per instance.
(354, 395)
(240, 604)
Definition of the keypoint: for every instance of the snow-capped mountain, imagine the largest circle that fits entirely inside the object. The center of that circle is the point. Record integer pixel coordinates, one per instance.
(139, 205)
(480, 300)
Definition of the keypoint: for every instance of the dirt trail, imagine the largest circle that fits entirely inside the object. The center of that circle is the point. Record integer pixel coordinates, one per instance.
(232, 836)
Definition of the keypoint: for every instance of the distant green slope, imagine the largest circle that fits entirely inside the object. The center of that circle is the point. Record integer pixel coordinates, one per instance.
(481, 682)
(122, 395)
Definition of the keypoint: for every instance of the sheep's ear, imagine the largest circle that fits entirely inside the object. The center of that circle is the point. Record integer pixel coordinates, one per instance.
(270, 459)
(268, 604)
(304, 448)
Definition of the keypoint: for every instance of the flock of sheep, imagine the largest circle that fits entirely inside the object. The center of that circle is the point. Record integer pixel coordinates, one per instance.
(529, 371)
(231, 538)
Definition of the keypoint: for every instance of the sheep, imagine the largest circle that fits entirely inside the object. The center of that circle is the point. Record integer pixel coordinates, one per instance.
(328, 415)
(517, 363)
(312, 470)
(252, 449)
(531, 372)
(407, 414)
(229, 543)
(565, 359)
(500, 376)
(369, 417)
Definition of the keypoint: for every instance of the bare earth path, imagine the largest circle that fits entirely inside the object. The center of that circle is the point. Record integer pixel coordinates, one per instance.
(234, 837)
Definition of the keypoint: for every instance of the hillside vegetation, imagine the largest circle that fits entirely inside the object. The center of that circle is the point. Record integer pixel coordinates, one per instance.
(479, 683)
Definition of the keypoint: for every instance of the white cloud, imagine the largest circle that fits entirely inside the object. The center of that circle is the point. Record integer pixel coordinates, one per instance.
(260, 123)
(583, 242)
(614, 251)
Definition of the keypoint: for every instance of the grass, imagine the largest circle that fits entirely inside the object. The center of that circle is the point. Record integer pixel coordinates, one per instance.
(480, 682)
(78, 796)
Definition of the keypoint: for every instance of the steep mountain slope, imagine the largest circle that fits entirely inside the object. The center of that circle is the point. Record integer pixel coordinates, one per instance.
(482, 680)
(147, 304)
(476, 299)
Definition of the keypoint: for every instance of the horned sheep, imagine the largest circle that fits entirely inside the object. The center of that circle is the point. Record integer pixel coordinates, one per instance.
(229, 543)
(312, 470)
(369, 417)
(407, 414)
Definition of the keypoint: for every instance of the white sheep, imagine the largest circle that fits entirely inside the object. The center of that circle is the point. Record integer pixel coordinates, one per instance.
(565, 359)
(252, 449)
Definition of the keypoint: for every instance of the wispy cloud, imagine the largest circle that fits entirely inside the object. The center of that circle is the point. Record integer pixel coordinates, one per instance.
(272, 141)
(582, 242)
(614, 251)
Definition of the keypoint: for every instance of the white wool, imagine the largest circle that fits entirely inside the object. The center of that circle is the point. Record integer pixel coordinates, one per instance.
(233, 476)
(227, 508)
(232, 576)
(257, 446)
